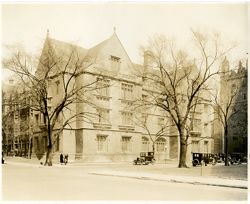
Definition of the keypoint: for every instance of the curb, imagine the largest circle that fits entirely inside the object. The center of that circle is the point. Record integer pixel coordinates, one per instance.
(232, 183)
(30, 164)
(174, 180)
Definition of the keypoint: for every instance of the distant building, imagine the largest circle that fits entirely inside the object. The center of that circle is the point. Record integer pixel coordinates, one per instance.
(16, 120)
(233, 82)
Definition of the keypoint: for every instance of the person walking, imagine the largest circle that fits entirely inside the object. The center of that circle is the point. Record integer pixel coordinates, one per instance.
(66, 159)
(61, 158)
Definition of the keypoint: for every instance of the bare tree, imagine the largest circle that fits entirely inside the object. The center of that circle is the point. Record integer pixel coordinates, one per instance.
(224, 110)
(62, 70)
(176, 84)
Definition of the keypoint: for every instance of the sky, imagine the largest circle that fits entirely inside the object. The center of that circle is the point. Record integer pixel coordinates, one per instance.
(89, 24)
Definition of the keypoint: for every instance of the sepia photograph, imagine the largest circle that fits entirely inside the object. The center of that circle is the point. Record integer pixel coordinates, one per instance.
(124, 101)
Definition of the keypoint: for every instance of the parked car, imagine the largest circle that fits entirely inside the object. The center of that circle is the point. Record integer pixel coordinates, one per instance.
(145, 158)
(220, 157)
(205, 157)
(237, 158)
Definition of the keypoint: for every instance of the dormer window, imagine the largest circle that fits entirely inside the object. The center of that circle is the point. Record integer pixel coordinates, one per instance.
(115, 62)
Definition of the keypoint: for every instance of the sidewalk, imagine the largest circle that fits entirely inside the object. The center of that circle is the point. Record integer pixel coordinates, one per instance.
(217, 175)
(36, 162)
(233, 183)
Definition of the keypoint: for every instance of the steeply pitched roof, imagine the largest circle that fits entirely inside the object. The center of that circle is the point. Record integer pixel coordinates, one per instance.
(64, 49)
(94, 50)
(67, 48)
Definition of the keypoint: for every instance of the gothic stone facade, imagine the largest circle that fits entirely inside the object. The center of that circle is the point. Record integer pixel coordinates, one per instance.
(233, 82)
(116, 136)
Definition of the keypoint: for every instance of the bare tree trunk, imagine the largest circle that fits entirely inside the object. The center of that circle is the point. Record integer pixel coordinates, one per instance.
(29, 148)
(226, 147)
(48, 160)
(153, 145)
(49, 152)
(183, 151)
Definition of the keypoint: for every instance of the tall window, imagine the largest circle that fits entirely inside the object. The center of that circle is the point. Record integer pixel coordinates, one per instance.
(126, 144)
(57, 86)
(103, 115)
(102, 145)
(115, 62)
(196, 125)
(145, 144)
(57, 145)
(195, 146)
(205, 146)
(127, 91)
(37, 119)
(127, 118)
(160, 144)
(103, 87)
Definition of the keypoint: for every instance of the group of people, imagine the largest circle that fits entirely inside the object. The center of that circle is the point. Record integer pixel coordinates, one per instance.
(64, 159)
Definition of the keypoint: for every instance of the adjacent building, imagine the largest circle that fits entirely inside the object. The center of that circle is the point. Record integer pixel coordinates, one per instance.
(17, 120)
(233, 83)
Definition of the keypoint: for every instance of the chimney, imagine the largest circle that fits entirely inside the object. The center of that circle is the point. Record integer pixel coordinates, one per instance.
(224, 66)
(147, 59)
(240, 65)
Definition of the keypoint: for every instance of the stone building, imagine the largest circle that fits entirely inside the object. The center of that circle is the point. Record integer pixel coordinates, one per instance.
(16, 120)
(233, 82)
(116, 134)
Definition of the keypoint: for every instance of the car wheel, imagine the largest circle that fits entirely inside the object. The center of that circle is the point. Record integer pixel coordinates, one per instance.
(195, 162)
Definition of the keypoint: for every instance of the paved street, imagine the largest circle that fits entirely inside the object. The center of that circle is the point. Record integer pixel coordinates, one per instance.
(27, 182)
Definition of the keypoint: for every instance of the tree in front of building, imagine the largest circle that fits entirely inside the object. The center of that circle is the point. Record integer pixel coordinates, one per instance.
(56, 87)
(223, 112)
(176, 81)
(144, 121)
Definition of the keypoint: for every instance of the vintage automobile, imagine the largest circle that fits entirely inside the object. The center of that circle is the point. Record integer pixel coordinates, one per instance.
(237, 158)
(145, 158)
(220, 157)
(205, 157)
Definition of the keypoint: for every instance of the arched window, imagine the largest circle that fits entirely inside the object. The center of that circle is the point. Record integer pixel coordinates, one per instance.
(145, 144)
(160, 144)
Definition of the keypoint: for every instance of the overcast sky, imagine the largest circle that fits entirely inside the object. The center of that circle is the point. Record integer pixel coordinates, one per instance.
(89, 24)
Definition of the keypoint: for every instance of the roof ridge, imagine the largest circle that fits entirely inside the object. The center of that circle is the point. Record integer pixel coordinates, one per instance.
(100, 44)
(68, 43)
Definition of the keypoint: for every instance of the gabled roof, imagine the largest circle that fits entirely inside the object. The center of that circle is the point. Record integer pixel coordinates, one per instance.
(67, 48)
(95, 50)
(61, 48)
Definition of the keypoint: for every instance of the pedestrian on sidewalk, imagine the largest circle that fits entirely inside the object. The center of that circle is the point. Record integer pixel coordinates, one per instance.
(66, 159)
(2, 158)
(61, 159)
